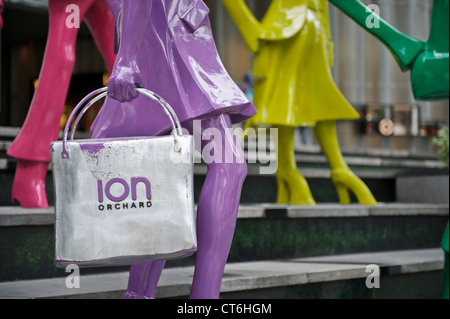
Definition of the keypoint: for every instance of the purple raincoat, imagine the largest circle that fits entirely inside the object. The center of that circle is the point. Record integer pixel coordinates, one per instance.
(179, 61)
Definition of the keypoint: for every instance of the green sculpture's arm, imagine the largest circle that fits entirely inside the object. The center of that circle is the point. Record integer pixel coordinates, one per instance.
(439, 32)
(404, 48)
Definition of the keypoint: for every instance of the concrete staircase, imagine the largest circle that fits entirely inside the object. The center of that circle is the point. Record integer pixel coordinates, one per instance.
(403, 274)
(278, 252)
(314, 252)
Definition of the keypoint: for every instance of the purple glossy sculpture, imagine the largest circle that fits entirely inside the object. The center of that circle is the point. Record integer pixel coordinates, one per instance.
(167, 46)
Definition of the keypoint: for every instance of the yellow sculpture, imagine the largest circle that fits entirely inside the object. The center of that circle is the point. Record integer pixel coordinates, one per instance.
(294, 87)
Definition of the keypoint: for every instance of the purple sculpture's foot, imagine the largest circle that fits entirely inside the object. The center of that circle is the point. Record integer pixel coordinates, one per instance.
(132, 295)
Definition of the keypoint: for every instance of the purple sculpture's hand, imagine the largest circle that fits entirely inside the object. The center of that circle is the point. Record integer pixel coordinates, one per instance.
(1, 10)
(126, 74)
(123, 81)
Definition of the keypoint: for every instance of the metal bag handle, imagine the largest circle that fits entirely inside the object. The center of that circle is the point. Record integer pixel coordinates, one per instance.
(101, 93)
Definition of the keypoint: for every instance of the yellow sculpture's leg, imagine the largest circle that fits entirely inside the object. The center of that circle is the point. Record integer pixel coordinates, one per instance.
(283, 191)
(292, 186)
(341, 175)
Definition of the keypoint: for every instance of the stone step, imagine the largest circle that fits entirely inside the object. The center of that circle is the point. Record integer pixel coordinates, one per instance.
(19, 216)
(425, 187)
(325, 277)
(262, 188)
(308, 153)
(263, 231)
(257, 188)
(377, 168)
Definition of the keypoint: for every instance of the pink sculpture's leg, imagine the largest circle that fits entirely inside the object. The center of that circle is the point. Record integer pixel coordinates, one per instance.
(42, 123)
(100, 21)
(216, 216)
(30, 178)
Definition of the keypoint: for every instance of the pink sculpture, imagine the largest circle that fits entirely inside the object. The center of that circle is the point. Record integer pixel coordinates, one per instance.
(167, 46)
(31, 146)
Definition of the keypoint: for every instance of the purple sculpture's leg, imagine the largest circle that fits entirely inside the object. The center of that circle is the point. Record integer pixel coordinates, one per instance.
(216, 213)
(176, 34)
(143, 280)
(217, 206)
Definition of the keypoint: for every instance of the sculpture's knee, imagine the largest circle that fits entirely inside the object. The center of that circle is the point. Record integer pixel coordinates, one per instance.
(241, 170)
(230, 175)
(61, 42)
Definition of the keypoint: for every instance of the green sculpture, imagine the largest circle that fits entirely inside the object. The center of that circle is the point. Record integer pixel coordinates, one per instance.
(428, 62)
(444, 245)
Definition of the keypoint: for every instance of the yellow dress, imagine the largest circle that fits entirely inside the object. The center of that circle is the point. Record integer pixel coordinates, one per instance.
(293, 85)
